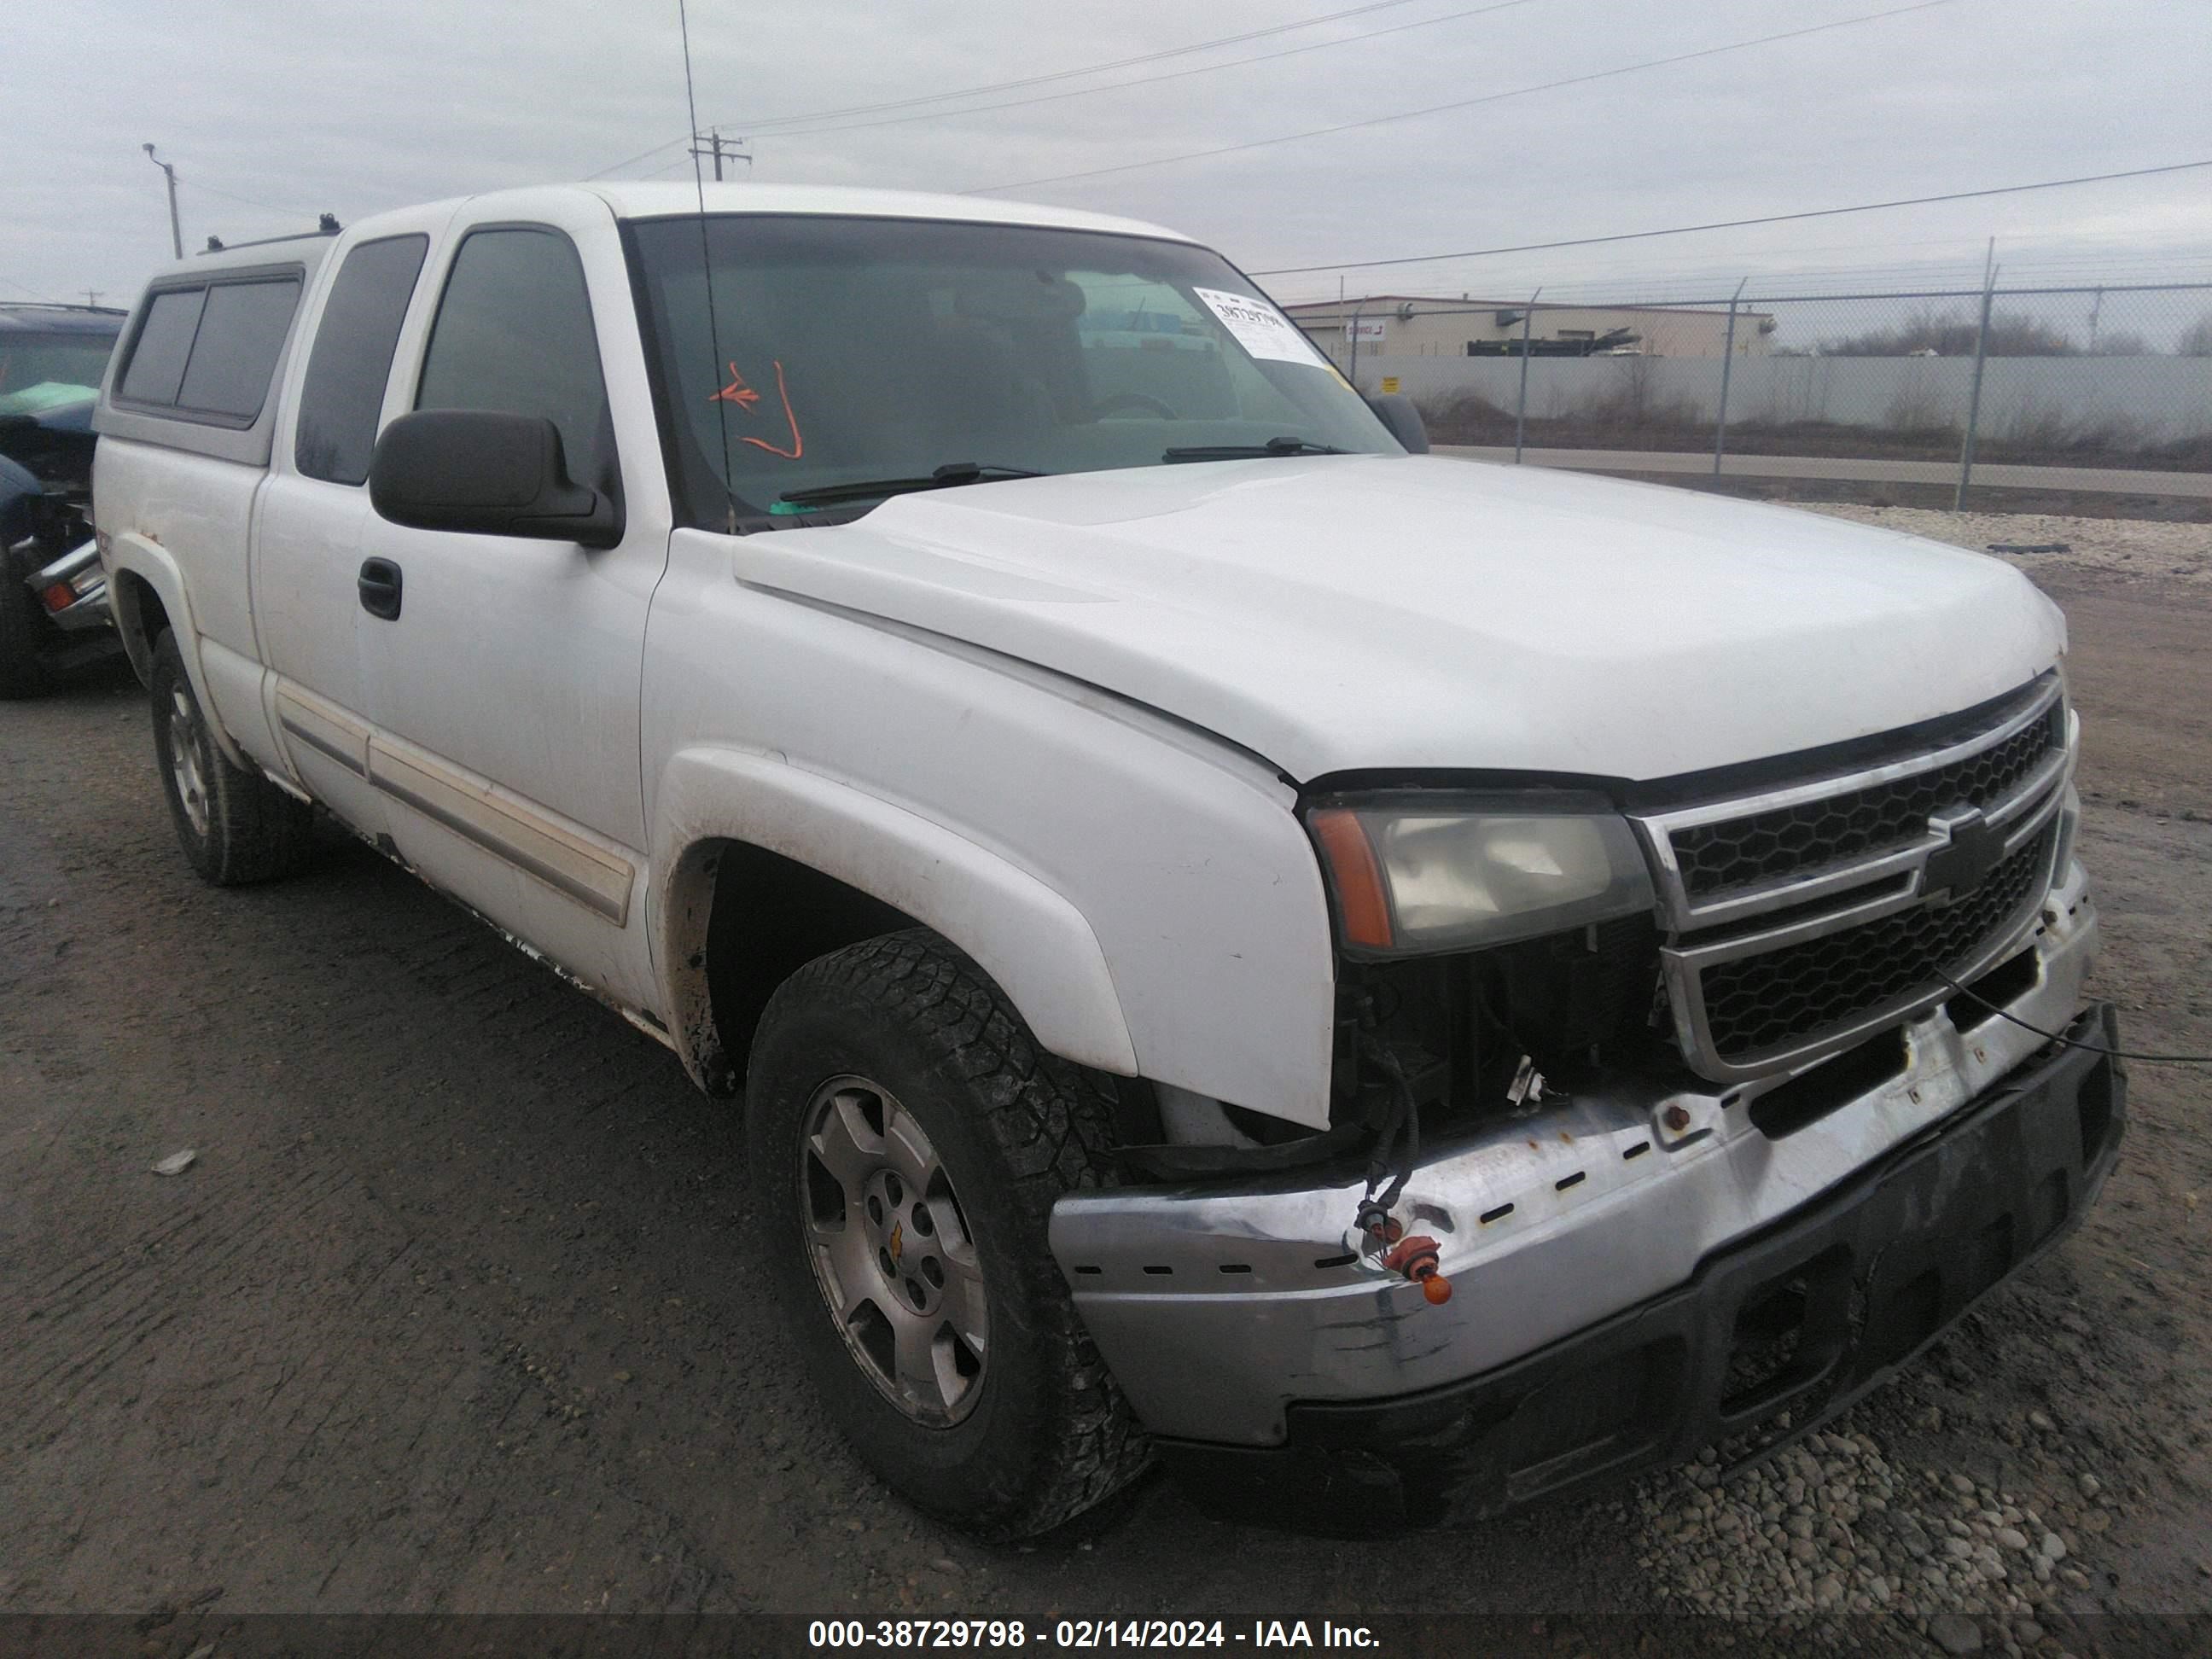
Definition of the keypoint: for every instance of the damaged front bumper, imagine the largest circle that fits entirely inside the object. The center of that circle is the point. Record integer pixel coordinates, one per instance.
(73, 590)
(1634, 1276)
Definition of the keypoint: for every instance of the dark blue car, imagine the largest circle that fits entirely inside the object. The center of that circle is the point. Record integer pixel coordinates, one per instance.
(53, 595)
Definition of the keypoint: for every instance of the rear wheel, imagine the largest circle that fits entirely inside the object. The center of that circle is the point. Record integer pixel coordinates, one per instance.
(235, 826)
(907, 1140)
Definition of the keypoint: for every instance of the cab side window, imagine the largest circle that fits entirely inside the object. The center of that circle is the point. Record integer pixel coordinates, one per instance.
(514, 333)
(343, 392)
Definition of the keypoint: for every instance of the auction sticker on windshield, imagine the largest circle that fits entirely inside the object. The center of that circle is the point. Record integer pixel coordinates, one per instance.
(1262, 329)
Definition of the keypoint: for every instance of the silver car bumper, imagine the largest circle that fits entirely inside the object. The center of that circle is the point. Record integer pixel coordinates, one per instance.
(79, 574)
(1218, 1308)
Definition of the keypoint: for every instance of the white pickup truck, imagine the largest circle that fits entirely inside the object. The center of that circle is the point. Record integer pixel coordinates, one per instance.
(1396, 985)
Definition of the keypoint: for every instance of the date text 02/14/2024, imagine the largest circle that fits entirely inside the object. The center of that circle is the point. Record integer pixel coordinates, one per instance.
(988, 1634)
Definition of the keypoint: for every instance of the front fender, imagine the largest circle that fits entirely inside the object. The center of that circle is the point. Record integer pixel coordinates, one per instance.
(1032, 941)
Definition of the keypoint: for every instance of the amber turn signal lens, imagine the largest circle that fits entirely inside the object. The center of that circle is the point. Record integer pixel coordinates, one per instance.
(59, 596)
(1361, 902)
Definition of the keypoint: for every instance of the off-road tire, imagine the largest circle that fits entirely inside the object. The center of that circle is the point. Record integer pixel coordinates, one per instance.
(25, 635)
(252, 831)
(1050, 1435)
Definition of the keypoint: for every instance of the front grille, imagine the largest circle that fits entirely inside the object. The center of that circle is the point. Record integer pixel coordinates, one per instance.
(1796, 922)
(1796, 994)
(1788, 842)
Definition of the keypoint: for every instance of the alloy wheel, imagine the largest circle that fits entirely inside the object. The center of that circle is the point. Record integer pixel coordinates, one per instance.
(892, 1252)
(186, 769)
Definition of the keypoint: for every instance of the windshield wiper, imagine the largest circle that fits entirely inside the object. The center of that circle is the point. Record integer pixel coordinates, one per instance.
(1248, 451)
(944, 477)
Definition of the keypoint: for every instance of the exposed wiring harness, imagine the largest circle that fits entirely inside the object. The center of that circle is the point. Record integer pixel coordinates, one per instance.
(1389, 1164)
(2068, 1042)
(1387, 1183)
(1397, 1147)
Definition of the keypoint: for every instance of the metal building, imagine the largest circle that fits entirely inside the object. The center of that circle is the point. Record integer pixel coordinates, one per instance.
(1428, 325)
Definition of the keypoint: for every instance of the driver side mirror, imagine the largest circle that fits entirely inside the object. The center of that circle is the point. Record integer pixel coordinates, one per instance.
(491, 474)
(1396, 410)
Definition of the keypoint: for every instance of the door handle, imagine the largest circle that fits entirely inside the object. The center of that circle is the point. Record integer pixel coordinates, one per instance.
(380, 588)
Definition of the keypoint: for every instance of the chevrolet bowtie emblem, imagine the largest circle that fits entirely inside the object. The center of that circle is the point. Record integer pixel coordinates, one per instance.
(1964, 862)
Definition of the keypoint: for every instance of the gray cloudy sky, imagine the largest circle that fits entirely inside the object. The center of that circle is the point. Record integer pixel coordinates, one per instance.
(274, 111)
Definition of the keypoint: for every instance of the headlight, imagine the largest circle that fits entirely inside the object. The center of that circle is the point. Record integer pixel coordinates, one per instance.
(1417, 873)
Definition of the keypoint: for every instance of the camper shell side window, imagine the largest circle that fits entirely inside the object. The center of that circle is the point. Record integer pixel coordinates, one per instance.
(203, 356)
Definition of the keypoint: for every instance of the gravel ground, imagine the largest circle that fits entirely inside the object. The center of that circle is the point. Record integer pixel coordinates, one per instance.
(450, 1312)
(1832, 1525)
(2001, 1521)
(2127, 548)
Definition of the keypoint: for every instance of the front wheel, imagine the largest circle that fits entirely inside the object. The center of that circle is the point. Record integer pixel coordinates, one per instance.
(907, 1140)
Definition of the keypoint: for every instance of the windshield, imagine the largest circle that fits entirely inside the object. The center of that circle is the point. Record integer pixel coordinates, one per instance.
(853, 351)
(39, 370)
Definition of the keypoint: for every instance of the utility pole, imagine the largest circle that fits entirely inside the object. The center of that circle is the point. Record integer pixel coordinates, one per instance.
(92, 299)
(1974, 398)
(176, 231)
(1520, 405)
(715, 141)
(1728, 367)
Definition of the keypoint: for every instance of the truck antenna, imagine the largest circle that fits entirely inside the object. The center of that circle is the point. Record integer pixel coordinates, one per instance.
(707, 264)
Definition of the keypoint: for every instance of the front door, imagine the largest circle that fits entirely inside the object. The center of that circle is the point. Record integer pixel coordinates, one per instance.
(503, 672)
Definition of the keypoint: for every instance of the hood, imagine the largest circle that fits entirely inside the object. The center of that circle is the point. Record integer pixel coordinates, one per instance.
(55, 405)
(1339, 612)
(52, 439)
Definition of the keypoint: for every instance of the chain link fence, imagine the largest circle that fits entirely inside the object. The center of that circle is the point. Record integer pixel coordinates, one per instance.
(2100, 378)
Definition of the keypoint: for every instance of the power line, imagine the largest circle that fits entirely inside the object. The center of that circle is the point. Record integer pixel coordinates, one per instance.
(2027, 277)
(1466, 103)
(1736, 224)
(757, 124)
(1665, 282)
(1414, 306)
(248, 200)
(634, 160)
(1094, 69)
(1152, 80)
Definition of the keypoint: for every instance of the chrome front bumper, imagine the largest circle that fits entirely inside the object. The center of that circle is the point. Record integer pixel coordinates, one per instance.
(1220, 1307)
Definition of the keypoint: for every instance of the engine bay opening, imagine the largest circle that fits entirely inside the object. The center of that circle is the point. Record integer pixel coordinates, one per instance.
(1483, 1033)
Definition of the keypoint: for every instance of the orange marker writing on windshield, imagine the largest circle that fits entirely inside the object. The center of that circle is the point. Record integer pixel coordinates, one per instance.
(737, 392)
(745, 396)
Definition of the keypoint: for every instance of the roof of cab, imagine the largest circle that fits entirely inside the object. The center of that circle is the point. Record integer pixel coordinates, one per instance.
(671, 200)
(674, 200)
